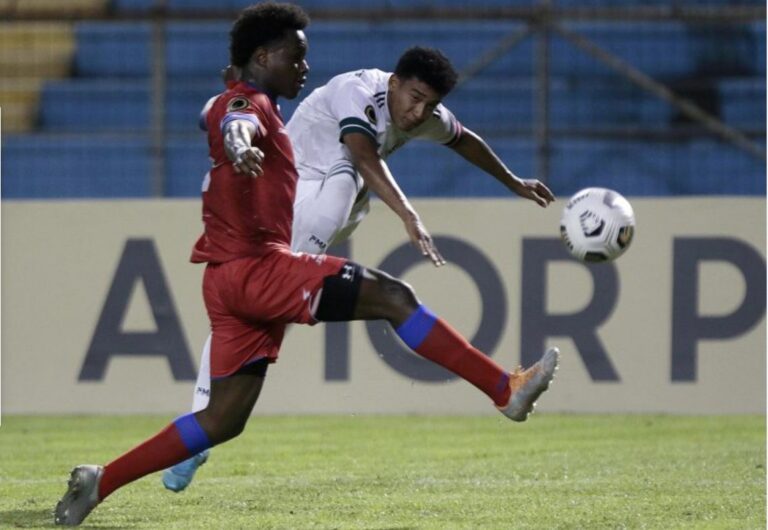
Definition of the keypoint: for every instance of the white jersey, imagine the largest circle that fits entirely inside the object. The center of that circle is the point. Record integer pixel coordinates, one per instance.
(355, 102)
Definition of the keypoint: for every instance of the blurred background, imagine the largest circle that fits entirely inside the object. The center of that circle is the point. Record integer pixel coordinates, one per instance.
(101, 98)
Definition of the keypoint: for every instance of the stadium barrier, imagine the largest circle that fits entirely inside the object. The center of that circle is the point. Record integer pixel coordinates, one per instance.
(103, 311)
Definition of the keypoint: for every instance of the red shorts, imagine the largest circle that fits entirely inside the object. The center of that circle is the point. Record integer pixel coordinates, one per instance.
(251, 300)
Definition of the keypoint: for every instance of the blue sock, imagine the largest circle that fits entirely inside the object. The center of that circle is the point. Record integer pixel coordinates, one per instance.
(416, 328)
(192, 434)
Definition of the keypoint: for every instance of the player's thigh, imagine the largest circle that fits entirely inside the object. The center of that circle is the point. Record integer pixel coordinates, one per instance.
(281, 287)
(322, 209)
(234, 341)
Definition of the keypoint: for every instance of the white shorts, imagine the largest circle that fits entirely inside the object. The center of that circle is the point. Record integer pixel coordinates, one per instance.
(328, 207)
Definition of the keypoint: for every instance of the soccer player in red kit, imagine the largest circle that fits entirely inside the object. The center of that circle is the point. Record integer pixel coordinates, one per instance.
(254, 286)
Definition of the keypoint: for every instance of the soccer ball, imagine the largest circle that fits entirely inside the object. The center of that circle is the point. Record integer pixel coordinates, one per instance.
(597, 225)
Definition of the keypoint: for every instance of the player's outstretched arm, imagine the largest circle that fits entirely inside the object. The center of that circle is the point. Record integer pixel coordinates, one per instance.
(238, 135)
(377, 177)
(473, 148)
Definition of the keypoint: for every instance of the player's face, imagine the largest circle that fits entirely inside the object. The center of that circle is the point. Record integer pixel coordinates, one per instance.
(411, 102)
(287, 65)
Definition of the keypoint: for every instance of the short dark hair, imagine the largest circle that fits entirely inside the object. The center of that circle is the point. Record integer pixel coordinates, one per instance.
(428, 65)
(261, 24)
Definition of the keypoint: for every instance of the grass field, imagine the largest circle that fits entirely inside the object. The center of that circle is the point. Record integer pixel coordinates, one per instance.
(556, 471)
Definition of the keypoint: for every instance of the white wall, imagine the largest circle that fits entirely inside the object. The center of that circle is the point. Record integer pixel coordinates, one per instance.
(60, 259)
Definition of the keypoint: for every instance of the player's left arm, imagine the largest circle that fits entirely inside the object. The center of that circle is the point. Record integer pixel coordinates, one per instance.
(473, 148)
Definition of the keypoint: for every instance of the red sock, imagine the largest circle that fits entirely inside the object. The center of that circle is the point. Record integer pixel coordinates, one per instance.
(163, 450)
(446, 347)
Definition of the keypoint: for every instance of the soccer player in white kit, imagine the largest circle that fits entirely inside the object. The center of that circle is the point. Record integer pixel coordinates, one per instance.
(341, 135)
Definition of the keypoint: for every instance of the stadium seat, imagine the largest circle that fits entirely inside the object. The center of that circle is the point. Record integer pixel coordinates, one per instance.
(113, 49)
(53, 8)
(187, 163)
(199, 48)
(96, 105)
(30, 52)
(708, 167)
(598, 102)
(92, 166)
(742, 102)
(107, 102)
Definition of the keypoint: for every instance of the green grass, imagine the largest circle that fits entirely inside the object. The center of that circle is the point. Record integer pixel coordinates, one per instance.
(383, 472)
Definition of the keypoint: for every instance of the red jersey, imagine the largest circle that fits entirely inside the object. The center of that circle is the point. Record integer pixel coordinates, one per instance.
(245, 215)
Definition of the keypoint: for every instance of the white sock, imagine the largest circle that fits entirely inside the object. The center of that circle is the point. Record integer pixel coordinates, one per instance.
(203, 385)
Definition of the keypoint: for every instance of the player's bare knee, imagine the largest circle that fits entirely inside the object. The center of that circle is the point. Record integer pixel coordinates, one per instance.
(220, 427)
(397, 297)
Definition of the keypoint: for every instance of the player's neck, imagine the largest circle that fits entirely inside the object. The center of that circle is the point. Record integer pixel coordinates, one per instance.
(257, 77)
(258, 84)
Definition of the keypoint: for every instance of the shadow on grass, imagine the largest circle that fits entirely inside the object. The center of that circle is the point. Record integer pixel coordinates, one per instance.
(33, 518)
(26, 518)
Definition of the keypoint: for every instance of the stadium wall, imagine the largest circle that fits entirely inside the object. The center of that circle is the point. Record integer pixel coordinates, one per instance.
(103, 312)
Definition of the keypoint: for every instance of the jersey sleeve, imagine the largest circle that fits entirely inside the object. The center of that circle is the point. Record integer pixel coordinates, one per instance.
(203, 122)
(241, 107)
(352, 105)
(442, 127)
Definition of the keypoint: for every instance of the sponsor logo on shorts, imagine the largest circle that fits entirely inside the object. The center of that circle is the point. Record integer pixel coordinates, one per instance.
(347, 272)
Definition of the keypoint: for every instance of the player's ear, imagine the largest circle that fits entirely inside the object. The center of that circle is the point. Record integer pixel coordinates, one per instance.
(394, 82)
(260, 56)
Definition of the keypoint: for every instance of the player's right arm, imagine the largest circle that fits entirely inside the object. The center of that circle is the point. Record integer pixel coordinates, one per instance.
(378, 178)
(238, 139)
(353, 106)
(238, 131)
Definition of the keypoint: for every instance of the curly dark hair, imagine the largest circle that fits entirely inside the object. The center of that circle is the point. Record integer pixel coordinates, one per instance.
(262, 24)
(428, 65)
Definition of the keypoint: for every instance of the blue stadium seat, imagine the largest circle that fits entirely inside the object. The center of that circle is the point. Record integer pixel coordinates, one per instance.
(185, 99)
(742, 102)
(700, 167)
(425, 169)
(662, 3)
(758, 30)
(200, 49)
(95, 105)
(133, 5)
(93, 166)
(708, 167)
(111, 93)
(597, 102)
(633, 168)
(186, 164)
(310, 5)
(197, 48)
(108, 49)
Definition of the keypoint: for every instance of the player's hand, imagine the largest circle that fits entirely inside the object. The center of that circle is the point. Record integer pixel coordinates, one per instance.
(534, 190)
(248, 160)
(423, 241)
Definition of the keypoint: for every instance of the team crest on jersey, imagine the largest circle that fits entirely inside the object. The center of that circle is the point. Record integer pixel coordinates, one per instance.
(370, 114)
(238, 103)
